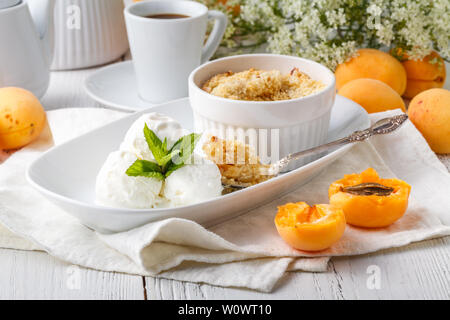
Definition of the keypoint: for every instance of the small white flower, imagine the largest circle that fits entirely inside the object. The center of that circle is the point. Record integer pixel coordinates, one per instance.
(331, 31)
(281, 42)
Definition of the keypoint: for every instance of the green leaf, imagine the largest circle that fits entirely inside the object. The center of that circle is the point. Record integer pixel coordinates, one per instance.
(173, 167)
(165, 145)
(155, 145)
(144, 168)
(165, 160)
(168, 161)
(155, 175)
(186, 146)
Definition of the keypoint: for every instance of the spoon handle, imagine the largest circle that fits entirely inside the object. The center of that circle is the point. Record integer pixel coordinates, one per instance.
(383, 126)
(310, 152)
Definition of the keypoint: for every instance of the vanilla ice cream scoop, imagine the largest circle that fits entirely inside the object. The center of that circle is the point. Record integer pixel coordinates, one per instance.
(116, 189)
(193, 183)
(162, 125)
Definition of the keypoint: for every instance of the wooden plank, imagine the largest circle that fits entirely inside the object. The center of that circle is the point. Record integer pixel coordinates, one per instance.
(36, 275)
(164, 289)
(66, 90)
(418, 271)
(296, 285)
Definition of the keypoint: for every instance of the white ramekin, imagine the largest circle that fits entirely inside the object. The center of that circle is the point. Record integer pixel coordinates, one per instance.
(296, 124)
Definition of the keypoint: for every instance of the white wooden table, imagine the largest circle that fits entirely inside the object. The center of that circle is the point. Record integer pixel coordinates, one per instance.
(418, 271)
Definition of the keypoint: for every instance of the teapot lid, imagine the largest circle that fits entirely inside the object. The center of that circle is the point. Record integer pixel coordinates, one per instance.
(8, 3)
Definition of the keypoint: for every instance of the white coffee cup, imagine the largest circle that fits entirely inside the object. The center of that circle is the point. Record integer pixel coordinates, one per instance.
(165, 51)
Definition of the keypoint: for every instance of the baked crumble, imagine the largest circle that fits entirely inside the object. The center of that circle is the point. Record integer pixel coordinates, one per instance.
(237, 162)
(262, 85)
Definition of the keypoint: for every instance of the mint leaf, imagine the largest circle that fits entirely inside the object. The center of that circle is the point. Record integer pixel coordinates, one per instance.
(173, 167)
(168, 161)
(144, 168)
(165, 160)
(155, 145)
(164, 145)
(186, 146)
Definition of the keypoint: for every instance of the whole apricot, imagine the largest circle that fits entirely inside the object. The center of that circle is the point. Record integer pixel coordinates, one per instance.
(310, 228)
(430, 113)
(369, 201)
(373, 64)
(372, 95)
(424, 74)
(417, 86)
(22, 118)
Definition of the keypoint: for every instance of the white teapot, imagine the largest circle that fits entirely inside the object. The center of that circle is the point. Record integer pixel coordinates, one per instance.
(88, 33)
(26, 44)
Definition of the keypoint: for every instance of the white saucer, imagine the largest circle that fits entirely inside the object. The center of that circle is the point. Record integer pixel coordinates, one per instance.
(115, 86)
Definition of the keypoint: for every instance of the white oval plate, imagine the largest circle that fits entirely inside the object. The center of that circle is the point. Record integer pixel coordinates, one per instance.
(66, 174)
(115, 86)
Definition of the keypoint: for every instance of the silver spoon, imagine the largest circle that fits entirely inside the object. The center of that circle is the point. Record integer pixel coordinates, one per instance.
(383, 126)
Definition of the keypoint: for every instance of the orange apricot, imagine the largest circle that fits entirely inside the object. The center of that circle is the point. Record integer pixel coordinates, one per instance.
(424, 74)
(22, 118)
(417, 86)
(369, 201)
(373, 64)
(236, 9)
(310, 228)
(372, 95)
(430, 113)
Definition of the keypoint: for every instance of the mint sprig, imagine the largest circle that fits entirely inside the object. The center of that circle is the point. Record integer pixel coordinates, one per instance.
(167, 161)
(144, 168)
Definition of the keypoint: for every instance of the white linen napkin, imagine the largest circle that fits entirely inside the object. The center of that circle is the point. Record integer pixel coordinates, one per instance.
(243, 252)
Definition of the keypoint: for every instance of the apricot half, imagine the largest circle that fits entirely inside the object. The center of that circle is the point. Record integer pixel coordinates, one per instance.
(369, 201)
(22, 118)
(430, 113)
(372, 95)
(310, 228)
(373, 64)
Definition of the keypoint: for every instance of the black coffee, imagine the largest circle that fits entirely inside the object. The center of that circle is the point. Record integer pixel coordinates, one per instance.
(167, 16)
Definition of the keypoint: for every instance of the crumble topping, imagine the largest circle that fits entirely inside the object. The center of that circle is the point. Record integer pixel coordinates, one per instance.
(237, 162)
(262, 85)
